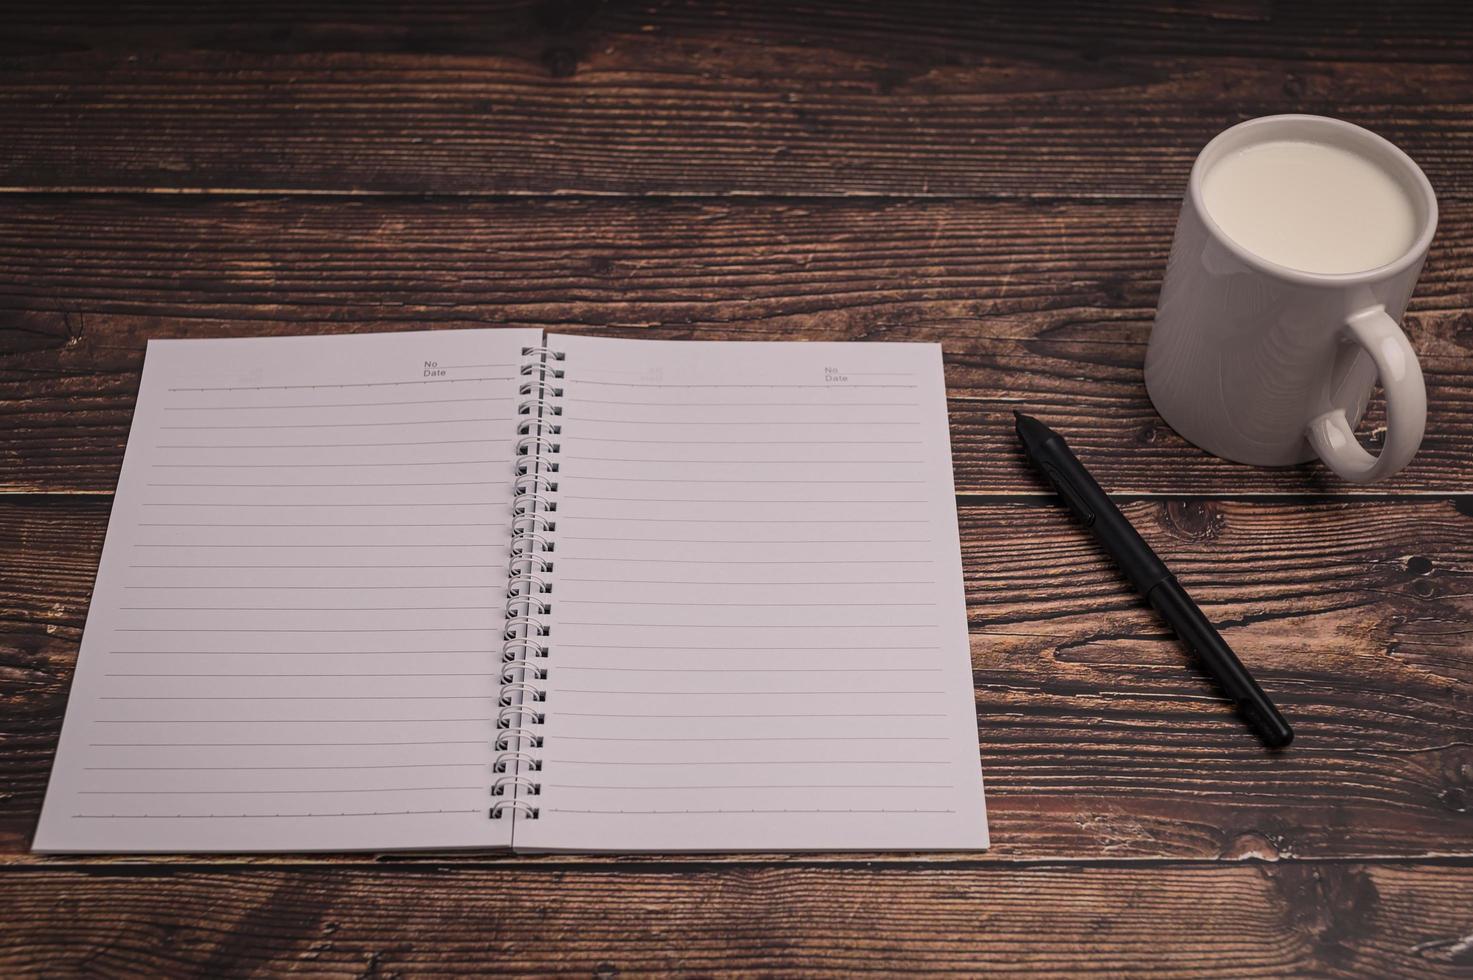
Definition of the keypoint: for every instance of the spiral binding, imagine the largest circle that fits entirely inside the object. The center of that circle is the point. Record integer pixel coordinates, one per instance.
(525, 651)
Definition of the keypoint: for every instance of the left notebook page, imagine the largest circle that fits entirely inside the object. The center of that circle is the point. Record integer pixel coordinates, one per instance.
(295, 629)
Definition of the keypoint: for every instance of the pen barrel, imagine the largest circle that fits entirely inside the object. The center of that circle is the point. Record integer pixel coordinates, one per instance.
(1183, 615)
(1094, 509)
(1151, 578)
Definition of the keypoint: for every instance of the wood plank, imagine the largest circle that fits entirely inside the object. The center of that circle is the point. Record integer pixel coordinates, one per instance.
(1235, 921)
(1097, 740)
(1046, 307)
(932, 98)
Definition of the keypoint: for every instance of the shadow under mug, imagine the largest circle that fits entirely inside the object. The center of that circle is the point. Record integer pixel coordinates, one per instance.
(1264, 364)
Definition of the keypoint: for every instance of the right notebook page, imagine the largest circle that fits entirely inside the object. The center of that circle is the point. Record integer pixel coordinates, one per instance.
(759, 636)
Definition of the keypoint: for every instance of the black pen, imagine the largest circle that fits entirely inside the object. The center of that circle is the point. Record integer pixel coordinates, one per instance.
(1151, 578)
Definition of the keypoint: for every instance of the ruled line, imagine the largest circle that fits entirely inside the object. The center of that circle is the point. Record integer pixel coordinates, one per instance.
(226, 745)
(571, 400)
(724, 693)
(785, 649)
(289, 653)
(479, 367)
(241, 816)
(299, 546)
(318, 466)
(757, 442)
(649, 384)
(475, 608)
(757, 605)
(658, 479)
(215, 565)
(759, 738)
(333, 588)
(308, 486)
(650, 540)
(729, 520)
(294, 697)
(762, 422)
(266, 792)
(763, 626)
(796, 561)
(360, 384)
(453, 503)
(316, 524)
(636, 670)
(671, 581)
(284, 721)
(327, 425)
(292, 674)
(417, 629)
(253, 408)
(763, 810)
(709, 786)
(744, 461)
(751, 762)
(406, 765)
(781, 714)
(331, 445)
(731, 500)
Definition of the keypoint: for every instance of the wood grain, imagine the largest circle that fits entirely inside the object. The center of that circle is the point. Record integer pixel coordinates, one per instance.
(1041, 306)
(1097, 738)
(1269, 920)
(1001, 178)
(831, 98)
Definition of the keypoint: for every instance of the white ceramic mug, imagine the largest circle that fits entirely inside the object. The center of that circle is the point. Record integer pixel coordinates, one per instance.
(1265, 364)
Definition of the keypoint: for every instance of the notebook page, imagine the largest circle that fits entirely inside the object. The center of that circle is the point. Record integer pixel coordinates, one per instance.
(758, 632)
(295, 628)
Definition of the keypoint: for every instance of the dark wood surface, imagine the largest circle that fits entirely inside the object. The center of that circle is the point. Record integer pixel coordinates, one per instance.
(832, 917)
(1002, 179)
(1042, 305)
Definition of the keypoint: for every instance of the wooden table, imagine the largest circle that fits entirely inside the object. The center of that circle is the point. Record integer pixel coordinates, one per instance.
(1004, 181)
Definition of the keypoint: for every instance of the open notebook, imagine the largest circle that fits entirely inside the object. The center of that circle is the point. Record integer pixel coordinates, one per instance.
(484, 588)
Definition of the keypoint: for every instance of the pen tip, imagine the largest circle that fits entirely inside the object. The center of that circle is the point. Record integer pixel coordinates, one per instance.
(1031, 431)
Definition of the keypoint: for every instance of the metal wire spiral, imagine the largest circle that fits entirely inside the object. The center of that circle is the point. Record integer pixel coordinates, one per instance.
(526, 648)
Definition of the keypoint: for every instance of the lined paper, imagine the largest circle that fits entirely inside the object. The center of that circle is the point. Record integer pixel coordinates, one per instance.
(296, 627)
(759, 635)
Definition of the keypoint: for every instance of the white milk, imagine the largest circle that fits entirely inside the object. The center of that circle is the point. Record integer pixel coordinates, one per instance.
(1310, 206)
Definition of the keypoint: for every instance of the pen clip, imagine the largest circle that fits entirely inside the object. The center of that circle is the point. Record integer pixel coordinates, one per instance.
(1071, 496)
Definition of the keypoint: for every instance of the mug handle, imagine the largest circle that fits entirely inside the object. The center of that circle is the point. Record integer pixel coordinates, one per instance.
(1406, 404)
